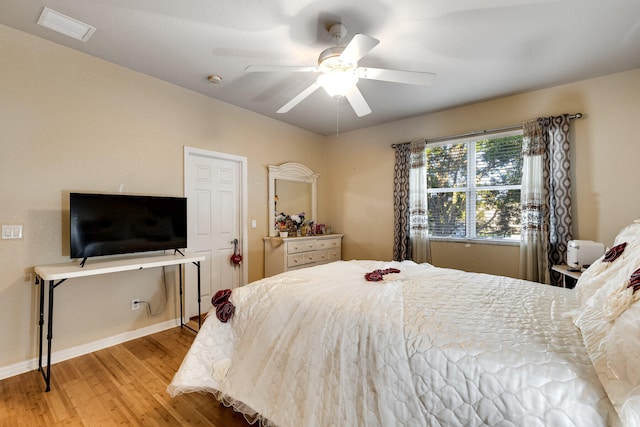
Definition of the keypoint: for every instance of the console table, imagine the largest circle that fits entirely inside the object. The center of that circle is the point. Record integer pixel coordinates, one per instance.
(57, 274)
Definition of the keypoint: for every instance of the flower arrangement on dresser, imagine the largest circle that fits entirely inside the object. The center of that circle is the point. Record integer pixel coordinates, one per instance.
(293, 224)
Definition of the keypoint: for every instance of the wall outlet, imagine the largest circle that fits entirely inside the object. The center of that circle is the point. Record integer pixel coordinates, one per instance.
(12, 231)
(135, 304)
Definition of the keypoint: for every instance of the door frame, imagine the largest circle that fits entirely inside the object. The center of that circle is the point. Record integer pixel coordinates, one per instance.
(243, 211)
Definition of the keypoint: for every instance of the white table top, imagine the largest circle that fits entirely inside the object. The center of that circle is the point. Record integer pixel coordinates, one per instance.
(564, 269)
(112, 265)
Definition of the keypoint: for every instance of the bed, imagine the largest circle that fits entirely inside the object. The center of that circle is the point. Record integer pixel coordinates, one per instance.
(426, 346)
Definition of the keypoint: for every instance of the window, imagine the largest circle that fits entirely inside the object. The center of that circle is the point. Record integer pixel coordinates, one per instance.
(473, 188)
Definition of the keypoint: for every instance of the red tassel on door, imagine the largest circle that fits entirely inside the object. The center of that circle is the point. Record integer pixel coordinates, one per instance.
(236, 258)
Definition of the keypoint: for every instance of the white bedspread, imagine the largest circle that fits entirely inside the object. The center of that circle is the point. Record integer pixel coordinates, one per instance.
(425, 347)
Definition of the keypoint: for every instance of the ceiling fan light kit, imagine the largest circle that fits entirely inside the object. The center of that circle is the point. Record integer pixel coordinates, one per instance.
(338, 82)
(340, 73)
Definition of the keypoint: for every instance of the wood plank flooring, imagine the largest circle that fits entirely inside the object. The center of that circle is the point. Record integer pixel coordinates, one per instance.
(121, 385)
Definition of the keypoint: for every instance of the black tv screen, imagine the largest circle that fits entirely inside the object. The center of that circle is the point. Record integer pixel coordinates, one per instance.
(112, 224)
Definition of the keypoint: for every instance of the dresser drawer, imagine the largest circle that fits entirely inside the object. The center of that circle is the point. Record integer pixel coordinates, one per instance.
(329, 243)
(322, 256)
(301, 246)
(302, 258)
(335, 254)
(293, 253)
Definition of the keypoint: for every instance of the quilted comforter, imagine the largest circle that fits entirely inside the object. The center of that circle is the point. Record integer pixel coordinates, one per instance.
(426, 346)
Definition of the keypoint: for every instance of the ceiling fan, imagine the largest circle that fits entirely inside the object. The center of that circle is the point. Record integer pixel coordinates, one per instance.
(340, 72)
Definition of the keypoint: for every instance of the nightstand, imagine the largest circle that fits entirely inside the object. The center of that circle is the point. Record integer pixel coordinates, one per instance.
(569, 278)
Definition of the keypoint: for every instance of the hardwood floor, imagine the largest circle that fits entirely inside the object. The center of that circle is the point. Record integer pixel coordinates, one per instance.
(121, 385)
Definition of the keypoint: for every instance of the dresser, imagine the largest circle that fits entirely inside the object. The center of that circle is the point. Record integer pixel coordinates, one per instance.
(290, 253)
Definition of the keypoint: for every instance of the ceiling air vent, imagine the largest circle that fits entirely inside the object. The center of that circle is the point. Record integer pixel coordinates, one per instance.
(64, 25)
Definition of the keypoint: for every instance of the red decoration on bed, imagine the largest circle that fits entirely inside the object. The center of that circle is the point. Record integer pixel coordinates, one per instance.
(613, 253)
(376, 275)
(634, 281)
(224, 307)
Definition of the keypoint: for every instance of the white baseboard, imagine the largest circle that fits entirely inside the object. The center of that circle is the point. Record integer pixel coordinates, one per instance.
(70, 353)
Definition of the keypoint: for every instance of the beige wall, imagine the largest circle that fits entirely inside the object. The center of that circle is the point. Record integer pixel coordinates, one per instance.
(72, 122)
(68, 122)
(605, 151)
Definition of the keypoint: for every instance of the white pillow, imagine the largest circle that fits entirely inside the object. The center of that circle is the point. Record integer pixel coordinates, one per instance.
(600, 272)
(609, 320)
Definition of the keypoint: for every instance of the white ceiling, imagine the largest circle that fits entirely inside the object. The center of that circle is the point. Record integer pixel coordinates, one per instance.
(479, 49)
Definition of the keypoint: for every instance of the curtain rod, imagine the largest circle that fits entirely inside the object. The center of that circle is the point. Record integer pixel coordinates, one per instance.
(484, 132)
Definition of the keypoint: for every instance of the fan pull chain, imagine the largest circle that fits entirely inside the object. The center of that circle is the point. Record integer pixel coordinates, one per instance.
(337, 115)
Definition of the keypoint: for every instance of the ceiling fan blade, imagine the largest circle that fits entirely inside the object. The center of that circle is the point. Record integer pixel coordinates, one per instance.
(358, 47)
(396, 76)
(357, 101)
(298, 98)
(280, 68)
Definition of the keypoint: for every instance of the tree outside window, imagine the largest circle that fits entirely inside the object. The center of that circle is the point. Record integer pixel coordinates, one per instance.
(474, 188)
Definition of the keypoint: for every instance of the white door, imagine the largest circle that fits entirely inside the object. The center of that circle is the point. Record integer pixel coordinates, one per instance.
(215, 187)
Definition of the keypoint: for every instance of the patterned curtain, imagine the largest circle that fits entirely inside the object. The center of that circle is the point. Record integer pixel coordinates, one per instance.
(411, 238)
(419, 224)
(546, 198)
(401, 218)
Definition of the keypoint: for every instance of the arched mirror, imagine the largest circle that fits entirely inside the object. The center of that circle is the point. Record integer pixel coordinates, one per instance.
(293, 188)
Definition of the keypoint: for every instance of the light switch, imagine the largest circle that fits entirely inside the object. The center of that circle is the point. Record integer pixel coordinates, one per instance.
(254, 224)
(12, 232)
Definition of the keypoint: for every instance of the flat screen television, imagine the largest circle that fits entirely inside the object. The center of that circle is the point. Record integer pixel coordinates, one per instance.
(112, 224)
